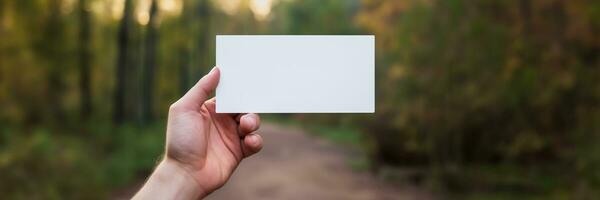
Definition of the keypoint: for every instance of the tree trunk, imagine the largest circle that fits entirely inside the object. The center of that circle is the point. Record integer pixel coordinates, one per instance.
(150, 65)
(203, 15)
(184, 70)
(123, 40)
(186, 49)
(84, 61)
(53, 52)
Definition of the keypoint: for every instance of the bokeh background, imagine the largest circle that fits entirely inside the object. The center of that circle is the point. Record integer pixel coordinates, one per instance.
(475, 99)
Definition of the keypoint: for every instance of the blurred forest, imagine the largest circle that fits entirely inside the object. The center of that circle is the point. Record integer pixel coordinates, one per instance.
(480, 99)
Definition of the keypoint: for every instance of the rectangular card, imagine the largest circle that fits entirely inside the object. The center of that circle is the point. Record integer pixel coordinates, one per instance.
(296, 73)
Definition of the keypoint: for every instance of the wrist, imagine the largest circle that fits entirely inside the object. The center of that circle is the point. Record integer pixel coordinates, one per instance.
(171, 181)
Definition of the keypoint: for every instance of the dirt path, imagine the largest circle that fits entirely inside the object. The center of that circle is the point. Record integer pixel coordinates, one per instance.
(294, 165)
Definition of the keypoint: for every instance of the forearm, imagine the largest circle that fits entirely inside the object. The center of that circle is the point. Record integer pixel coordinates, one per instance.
(170, 181)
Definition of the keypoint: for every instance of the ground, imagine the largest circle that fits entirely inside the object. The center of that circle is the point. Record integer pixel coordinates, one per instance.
(296, 165)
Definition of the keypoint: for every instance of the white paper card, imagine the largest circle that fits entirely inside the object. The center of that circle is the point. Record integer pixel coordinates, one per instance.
(296, 74)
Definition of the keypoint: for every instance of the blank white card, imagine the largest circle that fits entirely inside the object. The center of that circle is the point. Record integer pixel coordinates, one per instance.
(296, 74)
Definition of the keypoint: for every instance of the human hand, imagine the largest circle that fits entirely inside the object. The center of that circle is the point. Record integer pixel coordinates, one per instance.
(203, 147)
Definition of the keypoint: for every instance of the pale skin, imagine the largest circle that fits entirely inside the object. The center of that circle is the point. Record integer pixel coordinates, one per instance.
(203, 147)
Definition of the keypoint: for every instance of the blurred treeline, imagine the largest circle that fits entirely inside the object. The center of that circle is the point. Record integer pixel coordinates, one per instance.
(492, 95)
(498, 97)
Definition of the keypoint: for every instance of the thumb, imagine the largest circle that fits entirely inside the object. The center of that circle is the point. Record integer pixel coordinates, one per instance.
(200, 92)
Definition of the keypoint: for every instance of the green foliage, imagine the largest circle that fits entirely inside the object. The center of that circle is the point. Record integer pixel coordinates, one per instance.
(47, 163)
(314, 17)
(461, 83)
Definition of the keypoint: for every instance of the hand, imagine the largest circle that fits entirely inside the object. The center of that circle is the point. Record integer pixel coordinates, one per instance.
(203, 147)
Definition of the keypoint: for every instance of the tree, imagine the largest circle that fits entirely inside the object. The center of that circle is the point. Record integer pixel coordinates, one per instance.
(122, 61)
(150, 65)
(84, 60)
(463, 83)
(203, 17)
(52, 49)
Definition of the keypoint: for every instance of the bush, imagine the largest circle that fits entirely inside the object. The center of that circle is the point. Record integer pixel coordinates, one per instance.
(46, 163)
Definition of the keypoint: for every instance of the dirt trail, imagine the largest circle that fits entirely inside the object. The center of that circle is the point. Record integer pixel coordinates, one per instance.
(294, 165)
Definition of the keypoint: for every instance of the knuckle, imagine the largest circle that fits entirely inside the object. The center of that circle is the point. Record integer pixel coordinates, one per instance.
(174, 108)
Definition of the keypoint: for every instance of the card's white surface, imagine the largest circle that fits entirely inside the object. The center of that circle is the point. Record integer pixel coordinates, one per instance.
(295, 74)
